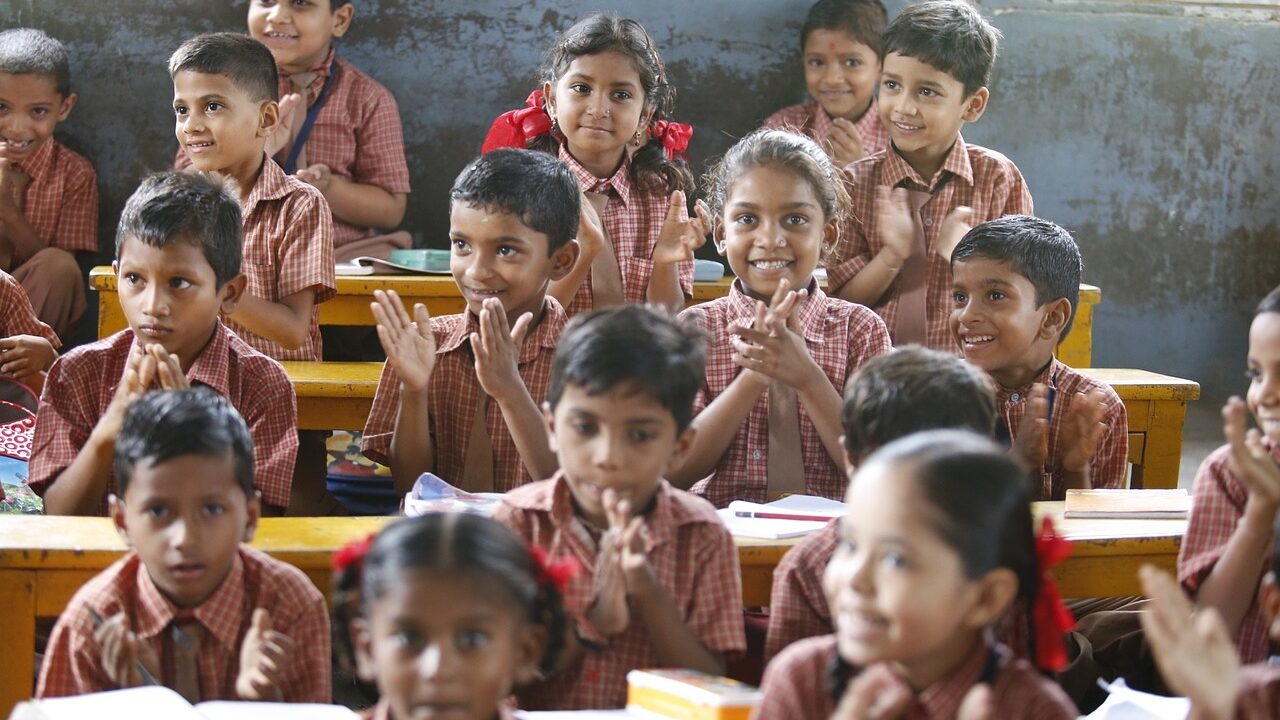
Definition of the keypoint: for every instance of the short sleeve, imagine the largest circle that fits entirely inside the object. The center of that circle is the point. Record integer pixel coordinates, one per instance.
(380, 158)
(64, 420)
(716, 615)
(270, 410)
(305, 255)
(77, 228)
(1217, 505)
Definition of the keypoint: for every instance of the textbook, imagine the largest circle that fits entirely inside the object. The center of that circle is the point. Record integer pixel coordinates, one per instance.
(1128, 504)
(791, 517)
(402, 262)
(689, 695)
(160, 703)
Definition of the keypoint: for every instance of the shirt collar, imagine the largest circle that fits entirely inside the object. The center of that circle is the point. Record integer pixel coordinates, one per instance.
(322, 72)
(210, 366)
(220, 613)
(661, 519)
(898, 171)
(545, 335)
(620, 181)
(867, 123)
(942, 699)
(271, 185)
(37, 166)
(743, 307)
(1047, 377)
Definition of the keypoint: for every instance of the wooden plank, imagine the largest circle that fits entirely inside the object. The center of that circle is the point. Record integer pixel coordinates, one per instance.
(18, 628)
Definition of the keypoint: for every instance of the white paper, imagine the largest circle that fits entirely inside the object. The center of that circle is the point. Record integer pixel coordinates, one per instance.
(228, 710)
(765, 528)
(140, 703)
(575, 715)
(1125, 703)
(809, 504)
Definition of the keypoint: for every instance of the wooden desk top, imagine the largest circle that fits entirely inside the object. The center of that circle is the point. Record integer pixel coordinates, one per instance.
(1132, 384)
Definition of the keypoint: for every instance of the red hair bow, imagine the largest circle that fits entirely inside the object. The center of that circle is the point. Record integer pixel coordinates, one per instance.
(558, 572)
(352, 552)
(674, 136)
(1051, 620)
(515, 128)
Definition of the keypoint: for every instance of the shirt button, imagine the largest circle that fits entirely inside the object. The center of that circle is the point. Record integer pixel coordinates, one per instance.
(928, 222)
(756, 455)
(1015, 397)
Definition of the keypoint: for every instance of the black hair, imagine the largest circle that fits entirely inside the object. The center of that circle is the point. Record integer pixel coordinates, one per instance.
(602, 32)
(191, 207)
(863, 20)
(166, 424)
(1270, 303)
(1040, 251)
(27, 51)
(450, 541)
(247, 63)
(790, 151)
(537, 188)
(633, 346)
(912, 389)
(949, 35)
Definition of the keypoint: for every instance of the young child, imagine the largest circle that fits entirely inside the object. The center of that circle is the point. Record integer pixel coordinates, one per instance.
(200, 612)
(769, 415)
(661, 586)
(459, 394)
(912, 202)
(178, 271)
(27, 346)
(607, 102)
(937, 544)
(906, 391)
(439, 580)
(1224, 554)
(840, 45)
(1015, 290)
(225, 101)
(48, 193)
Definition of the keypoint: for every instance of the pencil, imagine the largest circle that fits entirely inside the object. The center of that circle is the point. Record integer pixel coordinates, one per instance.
(779, 516)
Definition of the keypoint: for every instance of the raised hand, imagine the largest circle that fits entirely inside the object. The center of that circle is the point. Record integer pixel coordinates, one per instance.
(954, 228)
(139, 374)
(122, 651)
(680, 238)
(318, 176)
(277, 140)
(497, 348)
(773, 345)
(168, 368)
(1031, 443)
(410, 345)
(844, 144)
(264, 657)
(1083, 429)
(896, 227)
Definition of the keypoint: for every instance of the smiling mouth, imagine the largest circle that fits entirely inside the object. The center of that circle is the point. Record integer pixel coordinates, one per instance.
(904, 127)
(276, 35)
(199, 146)
(771, 264)
(976, 341)
(18, 145)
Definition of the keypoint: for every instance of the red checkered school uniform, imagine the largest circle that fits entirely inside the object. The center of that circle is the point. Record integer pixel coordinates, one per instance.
(82, 382)
(1259, 692)
(1216, 509)
(983, 179)
(1110, 459)
(840, 336)
(288, 248)
(16, 315)
(692, 555)
(795, 687)
(633, 221)
(810, 120)
(73, 662)
(454, 394)
(798, 606)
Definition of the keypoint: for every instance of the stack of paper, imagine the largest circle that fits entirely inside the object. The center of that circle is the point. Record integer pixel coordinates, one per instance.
(790, 517)
(1129, 504)
(161, 703)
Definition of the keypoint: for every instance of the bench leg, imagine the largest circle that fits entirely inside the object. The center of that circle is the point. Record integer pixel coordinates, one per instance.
(1163, 457)
(18, 629)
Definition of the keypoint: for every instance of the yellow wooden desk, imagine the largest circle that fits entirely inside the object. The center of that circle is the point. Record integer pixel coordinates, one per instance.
(333, 395)
(44, 560)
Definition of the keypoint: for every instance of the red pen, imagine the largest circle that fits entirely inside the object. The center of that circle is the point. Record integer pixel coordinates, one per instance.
(779, 516)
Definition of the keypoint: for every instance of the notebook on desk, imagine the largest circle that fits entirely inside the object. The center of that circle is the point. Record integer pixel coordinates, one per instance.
(791, 517)
(1128, 504)
(161, 703)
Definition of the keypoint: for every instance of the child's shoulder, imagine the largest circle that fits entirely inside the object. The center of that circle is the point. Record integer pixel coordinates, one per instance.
(808, 658)
(685, 508)
(853, 314)
(108, 592)
(275, 580)
(98, 353)
(1215, 477)
(988, 163)
(1069, 380)
(365, 90)
(1023, 691)
(69, 162)
(248, 358)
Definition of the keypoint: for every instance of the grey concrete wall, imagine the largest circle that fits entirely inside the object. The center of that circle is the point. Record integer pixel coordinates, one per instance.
(1141, 126)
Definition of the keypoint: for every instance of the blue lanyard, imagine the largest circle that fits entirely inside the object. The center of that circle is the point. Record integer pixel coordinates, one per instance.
(291, 164)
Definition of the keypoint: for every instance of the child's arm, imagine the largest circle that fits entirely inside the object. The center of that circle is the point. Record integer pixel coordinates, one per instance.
(844, 144)
(1080, 436)
(411, 350)
(590, 240)
(287, 322)
(356, 203)
(898, 242)
(497, 349)
(677, 241)
(18, 239)
(23, 355)
(125, 656)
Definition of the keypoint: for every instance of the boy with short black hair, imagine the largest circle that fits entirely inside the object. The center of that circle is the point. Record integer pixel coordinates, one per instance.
(661, 586)
(913, 201)
(48, 193)
(909, 390)
(840, 46)
(1015, 287)
(177, 272)
(459, 394)
(202, 613)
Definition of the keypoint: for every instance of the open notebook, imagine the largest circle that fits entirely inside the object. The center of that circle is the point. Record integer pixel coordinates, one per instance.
(161, 703)
(790, 517)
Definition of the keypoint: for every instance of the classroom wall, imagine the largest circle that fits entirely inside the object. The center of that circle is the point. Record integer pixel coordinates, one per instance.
(1141, 126)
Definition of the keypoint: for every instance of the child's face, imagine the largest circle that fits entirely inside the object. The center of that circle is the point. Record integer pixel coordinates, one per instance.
(997, 323)
(898, 592)
(30, 107)
(924, 107)
(773, 228)
(1263, 395)
(298, 32)
(170, 296)
(186, 533)
(620, 440)
(840, 72)
(447, 644)
(219, 126)
(493, 254)
(599, 104)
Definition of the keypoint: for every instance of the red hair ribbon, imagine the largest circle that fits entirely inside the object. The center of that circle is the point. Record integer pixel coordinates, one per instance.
(1051, 620)
(352, 552)
(674, 136)
(558, 572)
(515, 128)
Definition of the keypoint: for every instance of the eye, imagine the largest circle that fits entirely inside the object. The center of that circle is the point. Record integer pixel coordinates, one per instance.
(460, 246)
(40, 112)
(179, 283)
(852, 62)
(180, 110)
(797, 219)
(214, 509)
(213, 107)
(156, 511)
(1253, 374)
(3, 107)
(580, 88)
(995, 296)
(814, 62)
(641, 436)
(890, 85)
(472, 639)
(894, 560)
(959, 298)
(745, 219)
(583, 428)
(406, 638)
(132, 278)
(507, 251)
(621, 95)
(926, 92)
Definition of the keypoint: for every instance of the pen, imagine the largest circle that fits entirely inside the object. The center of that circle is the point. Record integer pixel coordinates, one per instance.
(147, 677)
(779, 516)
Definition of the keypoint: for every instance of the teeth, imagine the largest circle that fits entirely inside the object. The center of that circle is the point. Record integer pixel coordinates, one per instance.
(978, 338)
(771, 264)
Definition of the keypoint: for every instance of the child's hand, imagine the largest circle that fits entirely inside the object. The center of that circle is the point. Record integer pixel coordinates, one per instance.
(774, 346)
(782, 303)
(263, 658)
(1250, 461)
(318, 176)
(679, 238)
(844, 143)
(609, 612)
(1194, 651)
(590, 229)
(168, 369)
(122, 650)
(278, 139)
(877, 693)
(23, 355)
(139, 374)
(897, 228)
(1031, 444)
(953, 230)
(630, 533)
(410, 346)
(1083, 429)
(497, 348)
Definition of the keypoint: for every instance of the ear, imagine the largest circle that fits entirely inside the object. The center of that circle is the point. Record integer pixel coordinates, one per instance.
(681, 450)
(830, 236)
(268, 118)
(645, 118)
(342, 19)
(115, 268)
(549, 420)
(1269, 599)
(549, 99)
(718, 235)
(230, 293)
(530, 647)
(362, 641)
(994, 593)
(1056, 314)
(115, 508)
(68, 102)
(254, 511)
(564, 258)
(976, 104)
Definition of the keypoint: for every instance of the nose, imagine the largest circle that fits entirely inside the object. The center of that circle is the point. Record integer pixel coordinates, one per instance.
(480, 266)
(182, 533)
(861, 574)
(436, 660)
(605, 451)
(1268, 388)
(155, 301)
(598, 105)
(834, 73)
(770, 234)
(278, 12)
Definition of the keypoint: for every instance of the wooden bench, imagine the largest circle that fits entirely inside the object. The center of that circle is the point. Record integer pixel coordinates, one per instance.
(1157, 407)
(333, 395)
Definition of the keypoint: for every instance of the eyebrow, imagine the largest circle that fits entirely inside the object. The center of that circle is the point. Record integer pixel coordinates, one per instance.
(504, 239)
(579, 75)
(787, 206)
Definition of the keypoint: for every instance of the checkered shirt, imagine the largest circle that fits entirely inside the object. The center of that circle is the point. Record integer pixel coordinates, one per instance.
(76, 396)
(1217, 506)
(17, 317)
(1259, 691)
(810, 120)
(73, 666)
(1110, 460)
(692, 555)
(288, 248)
(798, 606)
(61, 202)
(633, 221)
(454, 394)
(983, 179)
(795, 687)
(839, 335)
